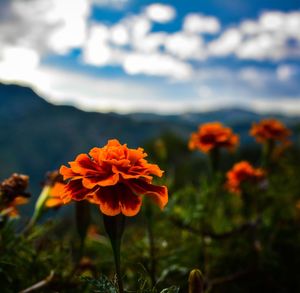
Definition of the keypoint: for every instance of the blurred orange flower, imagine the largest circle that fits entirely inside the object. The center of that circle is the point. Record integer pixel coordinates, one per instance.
(93, 230)
(13, 193)
(54, 198)
(213, 135)
(243, 172)
(113, 177)
(56, 185)
(11, 209)
(270, 130)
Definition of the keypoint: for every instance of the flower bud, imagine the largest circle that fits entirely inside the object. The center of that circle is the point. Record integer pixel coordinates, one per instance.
(196, 281)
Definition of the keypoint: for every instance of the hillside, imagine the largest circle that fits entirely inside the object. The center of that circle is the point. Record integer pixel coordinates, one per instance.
(37, 136)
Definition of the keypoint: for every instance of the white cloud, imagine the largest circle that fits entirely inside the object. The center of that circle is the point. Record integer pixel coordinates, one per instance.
(157, 64)
(292, 24)
(198, 23)
(96, 50)
(150, 43)
(18, 64)
(91, 93)
(119, 34)
(272, 21)
(160, 13)
(226, 44)
(275, 22)
(71, 35)
(70, 24)
(111, 4)
(21, 57)
(97, 94)
(278, 23)
(139, 26)
(125, 96)
(45, 25)
(185, 46)
(286, 72)
(269, 38)
(261, 47)
(30, 32)
(283, 105)
(249, 27)
(257, 78)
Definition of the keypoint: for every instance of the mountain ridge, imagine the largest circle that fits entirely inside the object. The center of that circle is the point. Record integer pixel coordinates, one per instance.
(37, 136)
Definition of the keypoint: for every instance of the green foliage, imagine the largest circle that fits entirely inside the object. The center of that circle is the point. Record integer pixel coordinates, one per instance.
(100, 285)
(242, 243)
(104, 285)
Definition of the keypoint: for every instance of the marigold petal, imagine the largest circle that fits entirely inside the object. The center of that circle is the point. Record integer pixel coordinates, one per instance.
(117, 162)
(108, 200)
(118, 199)
(158, 193)
(135, 155)
(131, 174)
(20, 200)
(13, 212)
(95, 153)
(155, 170)
(130, 203)
(75, 190)
(57, 189)
(67, 173)
(84, 165)
(91, 182)
(113, 143)
(53, 202)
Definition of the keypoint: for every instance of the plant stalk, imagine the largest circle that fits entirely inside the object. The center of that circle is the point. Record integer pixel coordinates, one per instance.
(114, 226)
(149, 220)
(82, 216)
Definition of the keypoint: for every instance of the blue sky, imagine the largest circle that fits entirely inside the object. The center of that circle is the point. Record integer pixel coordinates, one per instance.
(162, 57)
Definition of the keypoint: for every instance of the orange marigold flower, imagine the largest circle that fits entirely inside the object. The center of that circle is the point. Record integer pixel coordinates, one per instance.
(243, 172)
(56, 183)
(213, 135)
(270, 129)
(54, 198)
(113, 177)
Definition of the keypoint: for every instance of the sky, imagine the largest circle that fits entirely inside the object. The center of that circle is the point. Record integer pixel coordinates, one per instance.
(162, 57)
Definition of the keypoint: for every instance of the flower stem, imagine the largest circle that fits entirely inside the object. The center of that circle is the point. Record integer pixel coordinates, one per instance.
(214, 158)
(268, 149)
(39, 208)
(149, 220)
(82, 215)
(114, 226)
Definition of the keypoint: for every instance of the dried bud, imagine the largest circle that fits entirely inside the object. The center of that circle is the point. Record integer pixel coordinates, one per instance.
(196, 282)
(14, 187)
(257, 245)
(53, 177)
(13, 193)
(86, 267)
(49, 197)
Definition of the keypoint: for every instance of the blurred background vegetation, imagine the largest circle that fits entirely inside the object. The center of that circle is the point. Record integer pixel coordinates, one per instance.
(204, 226)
